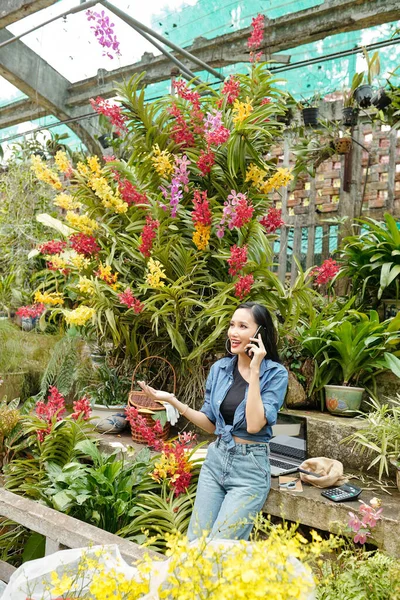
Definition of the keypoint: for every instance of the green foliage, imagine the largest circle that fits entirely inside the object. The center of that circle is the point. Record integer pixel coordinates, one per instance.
(13, 538)
(351, 347)
(102, 493)
(380, 435)
(361, 576)
(108, 386)
(67, 369)
(372, 259)
(154, 516)
(29, 460)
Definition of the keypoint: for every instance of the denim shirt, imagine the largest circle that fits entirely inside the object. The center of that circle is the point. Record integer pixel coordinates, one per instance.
(273, 386)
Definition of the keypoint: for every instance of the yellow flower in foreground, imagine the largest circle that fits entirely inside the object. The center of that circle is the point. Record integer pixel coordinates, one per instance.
(255, 174)
(104, 273)
(162, 162)
(58, 263)
(81, 222)
(83, 169)
(44, 173)
(108, 198)
(66, 202)
(94, 164)
(48, 298)
(201, 235)
(279, 179)
(241, 110)
(155, 274)
(86, 286)
(62, 162)
(80, 315)
(79, 261)
(60, 585)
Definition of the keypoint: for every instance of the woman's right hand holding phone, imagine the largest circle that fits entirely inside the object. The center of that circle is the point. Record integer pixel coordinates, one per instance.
(157, 395)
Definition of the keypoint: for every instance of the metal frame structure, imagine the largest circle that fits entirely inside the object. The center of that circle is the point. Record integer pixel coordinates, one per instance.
(71, 104)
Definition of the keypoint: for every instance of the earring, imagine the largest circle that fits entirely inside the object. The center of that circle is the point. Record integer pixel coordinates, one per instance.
(227, 346)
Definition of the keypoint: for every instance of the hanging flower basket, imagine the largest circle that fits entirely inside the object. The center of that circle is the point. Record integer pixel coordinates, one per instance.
(146, 406)
(343, 145)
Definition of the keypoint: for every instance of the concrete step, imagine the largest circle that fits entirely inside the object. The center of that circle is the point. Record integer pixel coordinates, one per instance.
(325, 434)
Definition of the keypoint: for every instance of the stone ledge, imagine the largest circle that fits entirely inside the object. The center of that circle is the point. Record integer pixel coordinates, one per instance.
(325, 433)
(312, 509)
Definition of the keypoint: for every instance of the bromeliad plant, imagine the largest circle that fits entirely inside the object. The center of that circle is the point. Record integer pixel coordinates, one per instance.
(153, 243)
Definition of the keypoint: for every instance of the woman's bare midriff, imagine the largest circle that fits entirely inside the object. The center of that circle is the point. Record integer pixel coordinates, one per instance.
(241, 441)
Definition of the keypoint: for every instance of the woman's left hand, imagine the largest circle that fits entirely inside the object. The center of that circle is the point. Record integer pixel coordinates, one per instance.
(258, 349)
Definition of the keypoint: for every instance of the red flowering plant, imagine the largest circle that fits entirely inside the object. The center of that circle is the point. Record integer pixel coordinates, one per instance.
(172, 466)
(326, 272)
(53, 411)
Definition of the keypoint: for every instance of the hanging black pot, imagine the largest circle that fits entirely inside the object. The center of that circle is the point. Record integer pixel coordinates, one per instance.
(380, 99)
(349, 116)
(363, 95)
(310, 116)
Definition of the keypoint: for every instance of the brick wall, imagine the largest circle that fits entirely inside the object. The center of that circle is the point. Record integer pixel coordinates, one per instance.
(315, 201)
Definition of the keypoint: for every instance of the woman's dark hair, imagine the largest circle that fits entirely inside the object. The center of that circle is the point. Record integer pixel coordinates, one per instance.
(268, 332)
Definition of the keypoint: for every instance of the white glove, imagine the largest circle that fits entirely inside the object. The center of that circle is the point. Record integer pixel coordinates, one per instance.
(172, 413)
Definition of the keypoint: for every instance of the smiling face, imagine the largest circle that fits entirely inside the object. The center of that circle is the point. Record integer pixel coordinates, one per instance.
(242, 327)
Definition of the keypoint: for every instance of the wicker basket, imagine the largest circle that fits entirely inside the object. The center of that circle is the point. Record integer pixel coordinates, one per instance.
(146, 406)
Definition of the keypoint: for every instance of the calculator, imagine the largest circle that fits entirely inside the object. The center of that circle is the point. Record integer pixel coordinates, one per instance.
(342, 493)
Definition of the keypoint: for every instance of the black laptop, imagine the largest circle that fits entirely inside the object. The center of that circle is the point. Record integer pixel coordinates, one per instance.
(288, 445)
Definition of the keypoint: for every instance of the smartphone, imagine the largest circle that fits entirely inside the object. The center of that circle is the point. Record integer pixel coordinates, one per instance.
(249, 351)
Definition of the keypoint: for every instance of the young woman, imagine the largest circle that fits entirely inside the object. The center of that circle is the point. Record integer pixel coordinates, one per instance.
(244, 393)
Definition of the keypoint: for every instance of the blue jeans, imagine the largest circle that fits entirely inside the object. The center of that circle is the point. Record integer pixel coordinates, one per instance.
(232, 489)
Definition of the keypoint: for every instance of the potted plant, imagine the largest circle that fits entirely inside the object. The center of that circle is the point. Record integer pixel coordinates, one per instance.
(380, 436)
(109, 394)
(363, 93)
(349, 111)
(351, 348)
(381, 99)
(371, 260)
(310, 110)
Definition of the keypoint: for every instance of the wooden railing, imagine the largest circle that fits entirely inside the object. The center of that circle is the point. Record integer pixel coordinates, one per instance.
(61, 531)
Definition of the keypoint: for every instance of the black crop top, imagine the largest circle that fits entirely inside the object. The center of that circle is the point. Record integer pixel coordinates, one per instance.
(234, 397)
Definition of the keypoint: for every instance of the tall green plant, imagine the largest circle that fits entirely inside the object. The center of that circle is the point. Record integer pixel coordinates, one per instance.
(379, 435)
(371, 259)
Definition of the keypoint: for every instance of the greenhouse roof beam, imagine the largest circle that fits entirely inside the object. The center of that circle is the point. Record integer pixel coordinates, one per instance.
(44, 85)
(14, 10)
(295, 29)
